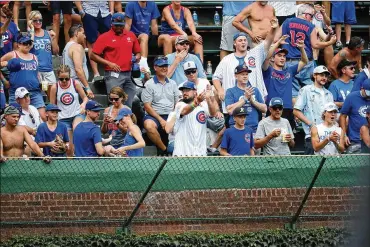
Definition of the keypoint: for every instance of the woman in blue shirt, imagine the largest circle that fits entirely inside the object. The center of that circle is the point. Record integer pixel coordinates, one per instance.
(42, 47)
(133, 143)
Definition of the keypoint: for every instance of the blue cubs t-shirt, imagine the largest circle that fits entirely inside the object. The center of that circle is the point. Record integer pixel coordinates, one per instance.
(359, 80)
(85, 136)
(238, 142)
(279, 84)
(354, 107)
(44, 134)
(141, 17)
(42, 50)
(233, 95)
(297, 29)
(340, 90)
(8, 37)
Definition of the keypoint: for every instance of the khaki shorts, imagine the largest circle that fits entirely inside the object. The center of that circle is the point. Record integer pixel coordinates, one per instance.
(49, 77)
(228, 32)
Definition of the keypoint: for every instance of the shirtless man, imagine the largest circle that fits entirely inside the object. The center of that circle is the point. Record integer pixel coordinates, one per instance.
(13, 137)
(259, 15)
(352, 53)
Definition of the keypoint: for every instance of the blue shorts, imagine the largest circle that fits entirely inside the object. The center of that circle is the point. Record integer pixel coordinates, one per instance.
(36, 99)
(69, 121)
(155, 120)
(343, 12)
(303, 78)
(95, 25)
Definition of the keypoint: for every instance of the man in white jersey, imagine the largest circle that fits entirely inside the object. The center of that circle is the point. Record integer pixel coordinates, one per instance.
(191, 118)
(224, 77)
(74, 56)
(327, 137)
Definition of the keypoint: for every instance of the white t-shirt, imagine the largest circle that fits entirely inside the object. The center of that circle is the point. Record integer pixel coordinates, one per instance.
(323, 132)
(30, 118)
(225, 71)
(191, 131)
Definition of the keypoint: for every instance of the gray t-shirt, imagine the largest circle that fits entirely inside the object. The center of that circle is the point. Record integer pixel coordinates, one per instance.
(162, 97)
(275, 146)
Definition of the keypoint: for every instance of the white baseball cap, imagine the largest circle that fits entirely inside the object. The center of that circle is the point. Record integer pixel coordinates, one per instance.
(189, 65)
(21, 92)
(321, 69)
(330, 107)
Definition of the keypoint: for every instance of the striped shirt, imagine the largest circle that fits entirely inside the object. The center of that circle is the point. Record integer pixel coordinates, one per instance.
(93, 8)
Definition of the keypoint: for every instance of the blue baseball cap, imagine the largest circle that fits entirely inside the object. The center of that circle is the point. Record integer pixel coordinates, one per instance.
(161, 61)
(24, 38)
(242, 68)
(276, 101)
(366, 86)
(52, 107)
(188, 85)
(237, 35)
(123, 113)
(92, 105)
(118, 19)
(280, 50)
(14, 65)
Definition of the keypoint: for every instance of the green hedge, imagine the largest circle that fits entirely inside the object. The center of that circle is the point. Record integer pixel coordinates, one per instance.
(301, 237)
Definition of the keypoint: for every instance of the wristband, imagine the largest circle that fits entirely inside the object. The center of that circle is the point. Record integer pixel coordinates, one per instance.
(87, 88)
(81, 12)
(192, 106)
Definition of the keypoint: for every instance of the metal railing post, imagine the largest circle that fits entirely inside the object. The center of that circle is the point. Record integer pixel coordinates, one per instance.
(291, 224)
(127, 223)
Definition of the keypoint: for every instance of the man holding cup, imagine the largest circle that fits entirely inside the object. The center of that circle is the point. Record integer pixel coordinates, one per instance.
(274, 133)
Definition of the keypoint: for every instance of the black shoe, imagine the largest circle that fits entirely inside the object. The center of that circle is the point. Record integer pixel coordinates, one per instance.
(162, 152)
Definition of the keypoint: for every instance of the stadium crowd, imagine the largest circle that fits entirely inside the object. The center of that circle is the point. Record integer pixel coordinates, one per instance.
(268, 83)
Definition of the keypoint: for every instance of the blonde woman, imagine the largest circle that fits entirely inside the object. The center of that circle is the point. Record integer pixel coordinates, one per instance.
(42, 47)
(65, 94)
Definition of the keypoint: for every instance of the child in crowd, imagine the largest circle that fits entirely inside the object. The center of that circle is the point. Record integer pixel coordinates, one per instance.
(52, 136)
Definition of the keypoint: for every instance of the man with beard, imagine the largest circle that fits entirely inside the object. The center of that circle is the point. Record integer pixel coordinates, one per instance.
(13, 137)
(354, 107)
(191, 118)
(114, 49)
(365, 134)
(341, 87)
(310, 104)
(327, 137)
(259, 15)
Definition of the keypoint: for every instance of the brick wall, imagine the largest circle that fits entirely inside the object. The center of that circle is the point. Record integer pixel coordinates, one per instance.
(90, 212)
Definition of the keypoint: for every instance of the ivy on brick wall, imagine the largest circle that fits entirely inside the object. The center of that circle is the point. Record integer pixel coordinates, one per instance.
(302, 237)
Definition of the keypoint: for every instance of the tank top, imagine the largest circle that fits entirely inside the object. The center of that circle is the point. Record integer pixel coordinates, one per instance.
(117, 135)
(130, 140)
(364, 148)
(167, 29)
(67, 60)
(67, 100)
(26, 76)
(324, 132)
(42, 50)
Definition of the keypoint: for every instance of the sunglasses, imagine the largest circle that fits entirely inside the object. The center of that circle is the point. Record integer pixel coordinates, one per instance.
(311, 15)
(4, 16)
(183, 43)
(113, 99)
(63, 78)
(190, 71)
(275, 108)
(351, 68)
(37, 21)
(28, 43)
(32, 118)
